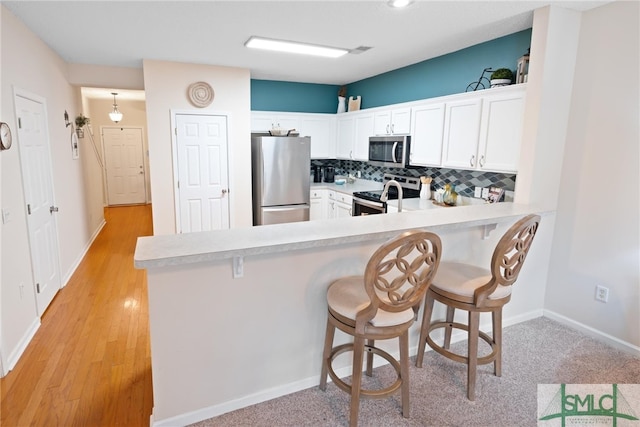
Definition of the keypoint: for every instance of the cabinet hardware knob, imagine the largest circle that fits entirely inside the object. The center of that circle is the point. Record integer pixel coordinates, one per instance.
(472, 161)
(482, 161)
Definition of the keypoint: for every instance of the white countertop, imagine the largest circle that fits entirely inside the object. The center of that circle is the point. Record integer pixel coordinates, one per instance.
(359, 185)
(179, 249)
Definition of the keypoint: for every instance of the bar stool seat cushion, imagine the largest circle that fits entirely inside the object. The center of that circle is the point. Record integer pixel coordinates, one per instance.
(463, 279)
(347, 296)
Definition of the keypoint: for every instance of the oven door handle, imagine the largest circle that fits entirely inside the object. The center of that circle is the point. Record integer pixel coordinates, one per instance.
(371, 204)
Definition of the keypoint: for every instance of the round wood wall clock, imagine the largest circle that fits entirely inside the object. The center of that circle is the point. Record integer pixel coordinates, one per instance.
(200, 94)
(5, 136)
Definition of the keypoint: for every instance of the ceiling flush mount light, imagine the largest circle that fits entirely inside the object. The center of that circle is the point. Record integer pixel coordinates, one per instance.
(115, 115)
(294, 47)
(399, 3)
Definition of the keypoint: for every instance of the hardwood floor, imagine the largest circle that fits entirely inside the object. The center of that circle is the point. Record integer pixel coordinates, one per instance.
(89, 364)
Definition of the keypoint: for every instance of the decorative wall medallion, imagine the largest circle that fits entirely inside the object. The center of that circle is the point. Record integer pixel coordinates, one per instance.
(200, 94)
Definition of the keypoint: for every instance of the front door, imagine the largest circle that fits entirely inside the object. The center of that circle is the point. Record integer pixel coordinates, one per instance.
(35, 159)
(124, 163)
(202, 184)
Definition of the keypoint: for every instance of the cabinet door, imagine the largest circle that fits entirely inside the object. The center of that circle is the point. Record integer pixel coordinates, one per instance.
(261, 121)
(343, 205)
(401, 121)
(321, 129)
(317, 208)
(331, 205)
(288, 121)
(382, 123)
(426, 136)
(501, 132)
(346, 134)
(364, 129)
(461, 131)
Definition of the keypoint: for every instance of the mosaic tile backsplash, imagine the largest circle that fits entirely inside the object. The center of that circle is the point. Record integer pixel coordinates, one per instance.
(463, 180)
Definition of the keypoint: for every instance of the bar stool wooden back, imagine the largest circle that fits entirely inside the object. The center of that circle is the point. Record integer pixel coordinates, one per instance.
(382, 304)
(477, 290)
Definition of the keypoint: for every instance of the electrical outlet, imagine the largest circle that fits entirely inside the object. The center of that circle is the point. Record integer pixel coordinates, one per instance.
(485, 193)
(602, 293)
(477, 192)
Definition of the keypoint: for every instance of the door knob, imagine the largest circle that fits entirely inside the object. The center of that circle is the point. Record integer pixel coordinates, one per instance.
(53, 209)
(224, 191)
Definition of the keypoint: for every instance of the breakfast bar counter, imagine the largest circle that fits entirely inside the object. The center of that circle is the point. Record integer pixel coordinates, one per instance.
(238, 316)
(177, 249)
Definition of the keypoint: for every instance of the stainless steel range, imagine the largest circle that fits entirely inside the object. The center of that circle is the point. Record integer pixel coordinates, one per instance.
(371, 203)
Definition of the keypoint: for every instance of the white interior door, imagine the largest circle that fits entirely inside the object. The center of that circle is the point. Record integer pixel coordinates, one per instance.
(124, 164)
(202, 184)
(33, 142)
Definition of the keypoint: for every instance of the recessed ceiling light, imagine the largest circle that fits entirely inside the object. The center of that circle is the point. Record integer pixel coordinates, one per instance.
(294, 47)
(399, 3)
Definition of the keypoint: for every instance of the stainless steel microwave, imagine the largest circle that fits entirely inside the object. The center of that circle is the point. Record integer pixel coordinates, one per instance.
(390, 151)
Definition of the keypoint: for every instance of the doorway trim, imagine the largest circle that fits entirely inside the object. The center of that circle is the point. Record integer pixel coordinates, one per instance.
(174, 159)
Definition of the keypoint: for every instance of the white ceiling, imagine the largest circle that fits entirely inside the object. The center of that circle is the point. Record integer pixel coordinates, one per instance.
(123, 33)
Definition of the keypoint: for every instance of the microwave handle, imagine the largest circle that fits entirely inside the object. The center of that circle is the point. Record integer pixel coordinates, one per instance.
(393, 152)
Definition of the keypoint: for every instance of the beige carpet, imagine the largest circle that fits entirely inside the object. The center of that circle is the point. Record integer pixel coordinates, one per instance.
(538, 351)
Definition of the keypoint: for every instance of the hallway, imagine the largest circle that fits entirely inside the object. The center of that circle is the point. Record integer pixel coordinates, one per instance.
(89, 364)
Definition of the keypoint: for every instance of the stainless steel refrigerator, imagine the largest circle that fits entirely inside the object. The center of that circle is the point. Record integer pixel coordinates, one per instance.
(280, 167)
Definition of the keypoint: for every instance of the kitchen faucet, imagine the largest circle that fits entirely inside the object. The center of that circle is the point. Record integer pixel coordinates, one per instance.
(385, 193)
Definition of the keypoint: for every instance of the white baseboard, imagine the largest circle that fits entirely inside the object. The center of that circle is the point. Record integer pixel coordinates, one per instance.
(272, 393)
(594, 333)
(13, 358)
(79, 259)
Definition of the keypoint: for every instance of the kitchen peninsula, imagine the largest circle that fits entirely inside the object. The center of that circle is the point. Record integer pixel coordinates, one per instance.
(237, 316)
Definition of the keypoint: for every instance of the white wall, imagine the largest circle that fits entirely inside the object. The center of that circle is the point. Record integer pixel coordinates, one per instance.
(597, 238)
(28, 64)
(166, 86)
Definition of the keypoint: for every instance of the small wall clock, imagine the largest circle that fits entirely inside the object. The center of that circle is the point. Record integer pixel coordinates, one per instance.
(5, 136)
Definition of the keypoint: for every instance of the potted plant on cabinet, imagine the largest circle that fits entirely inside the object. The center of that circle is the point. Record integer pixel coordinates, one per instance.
(501, 77)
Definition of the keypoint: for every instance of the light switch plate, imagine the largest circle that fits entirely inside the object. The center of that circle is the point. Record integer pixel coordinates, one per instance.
(6, 216)
(485, 192)
(477, 192)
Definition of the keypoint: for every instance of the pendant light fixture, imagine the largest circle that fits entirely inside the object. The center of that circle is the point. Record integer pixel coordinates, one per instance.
(115, 115)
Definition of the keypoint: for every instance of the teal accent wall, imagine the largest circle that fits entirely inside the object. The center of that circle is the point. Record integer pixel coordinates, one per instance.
(445, 75)
(271, 95)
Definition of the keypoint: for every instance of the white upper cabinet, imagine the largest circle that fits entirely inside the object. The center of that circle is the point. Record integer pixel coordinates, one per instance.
(461, 130)
(320, 127)
(354, 130)
(501, 131)
(346, 132)
(322, 130)
(427, 126)
(364, 130)
(263, 121)
(392, 122)
(484, 131)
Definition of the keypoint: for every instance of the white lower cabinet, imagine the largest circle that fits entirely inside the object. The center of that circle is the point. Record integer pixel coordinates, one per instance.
(338, 204)
(344, 207)
(318, 205)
